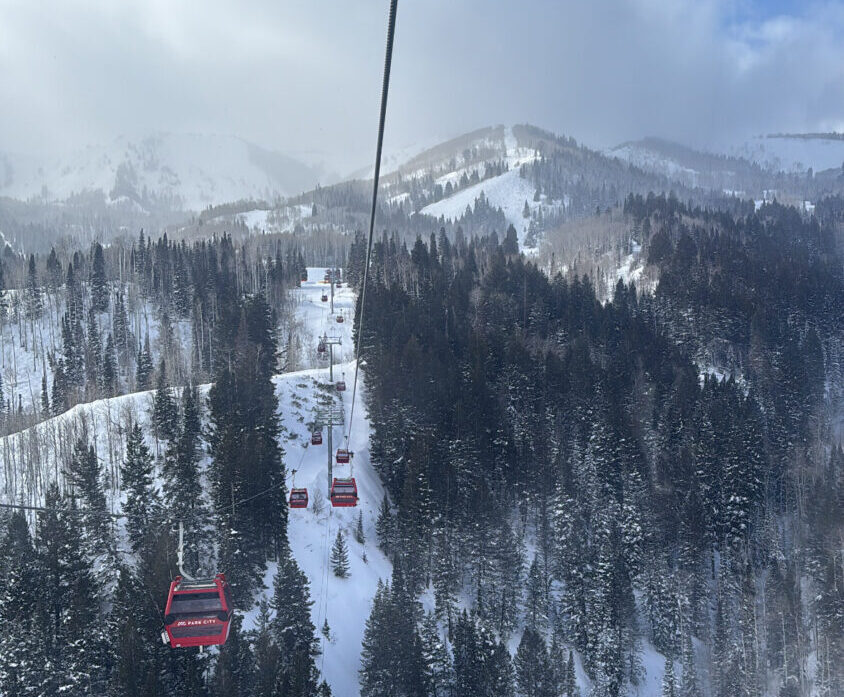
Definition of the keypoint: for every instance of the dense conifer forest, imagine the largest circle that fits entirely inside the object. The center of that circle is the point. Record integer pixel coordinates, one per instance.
(574, 484)
(579, 470)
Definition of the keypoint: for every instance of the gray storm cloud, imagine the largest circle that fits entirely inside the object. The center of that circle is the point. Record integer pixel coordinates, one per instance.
(305, 76)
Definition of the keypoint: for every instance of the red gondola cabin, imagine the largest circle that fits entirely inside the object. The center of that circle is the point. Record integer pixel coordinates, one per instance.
(343, 456)
(198, 612)
(324, 298)
(298, 498)
(344, 492)
(341, 385)
(316, 438)
(320, 347)
(340, 319)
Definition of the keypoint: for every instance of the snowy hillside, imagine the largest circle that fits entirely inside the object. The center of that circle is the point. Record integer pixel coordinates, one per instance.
(640, 154)
(32, 458)
(794, 154)
(507, 191)
(186, 171)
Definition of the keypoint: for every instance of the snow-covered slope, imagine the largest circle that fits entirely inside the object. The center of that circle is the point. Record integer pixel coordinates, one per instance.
(507, 191)
(793, 153)
(34, 457)
(651, 159)
(187, 171)
(345, 603)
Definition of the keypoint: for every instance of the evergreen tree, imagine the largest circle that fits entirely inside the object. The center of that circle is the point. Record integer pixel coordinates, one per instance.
(121, 330)
(533, 674)
(164, 412)
(45, 395)
(83, 474)
(97, 279)
(134, 672)
(384, 527)
(109, 372)
(570, 688)
(142, 507)
(246, 456)
(93, 355)
(435, 655)
(669, 683)
(267, 654)
(535, 612)
(33, 299)
(392, 658)
(340, 556)
(511, 241)
(143, 373)
(2, 290)
(182, 485)
(688, 682)
(292, 629)
(482, 665)
(359, 536)
(81, 637)
(234, 669)
(20, 655)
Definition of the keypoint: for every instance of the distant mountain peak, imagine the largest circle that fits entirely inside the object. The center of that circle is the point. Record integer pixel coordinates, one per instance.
(182, 171)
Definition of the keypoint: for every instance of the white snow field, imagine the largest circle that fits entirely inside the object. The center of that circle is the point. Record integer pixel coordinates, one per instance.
(346, 603)
(507, 191)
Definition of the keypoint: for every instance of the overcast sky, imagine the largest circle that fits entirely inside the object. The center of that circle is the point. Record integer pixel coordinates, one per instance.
(305, 75)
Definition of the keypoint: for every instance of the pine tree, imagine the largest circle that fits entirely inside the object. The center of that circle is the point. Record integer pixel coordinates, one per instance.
(97, 279)
(45, 394)
(570, 687)
(85, 663)
(436, 658)
(83, 474)
(292, 629)
(535, 611)
(143, 372)
(2, 291)
(182, 486)
(688, 682)
(164, 413)
(93, 355)
(533, 672)
(134, 670)
(384, 527)
(359, 535)
(267, 654)
(446, 577)
(109, 372)
(392, 657)
(33, 299)
(244, 437)
(142, 507)
(19, 591)
(340, 556)
(234, 669)
(669, 683)
(120, 328)
(511, 241)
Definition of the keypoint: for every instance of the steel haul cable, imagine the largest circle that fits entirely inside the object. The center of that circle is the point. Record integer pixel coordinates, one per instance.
(385, 86)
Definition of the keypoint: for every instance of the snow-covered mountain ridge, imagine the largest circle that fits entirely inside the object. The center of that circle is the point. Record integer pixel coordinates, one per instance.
(181, 171)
